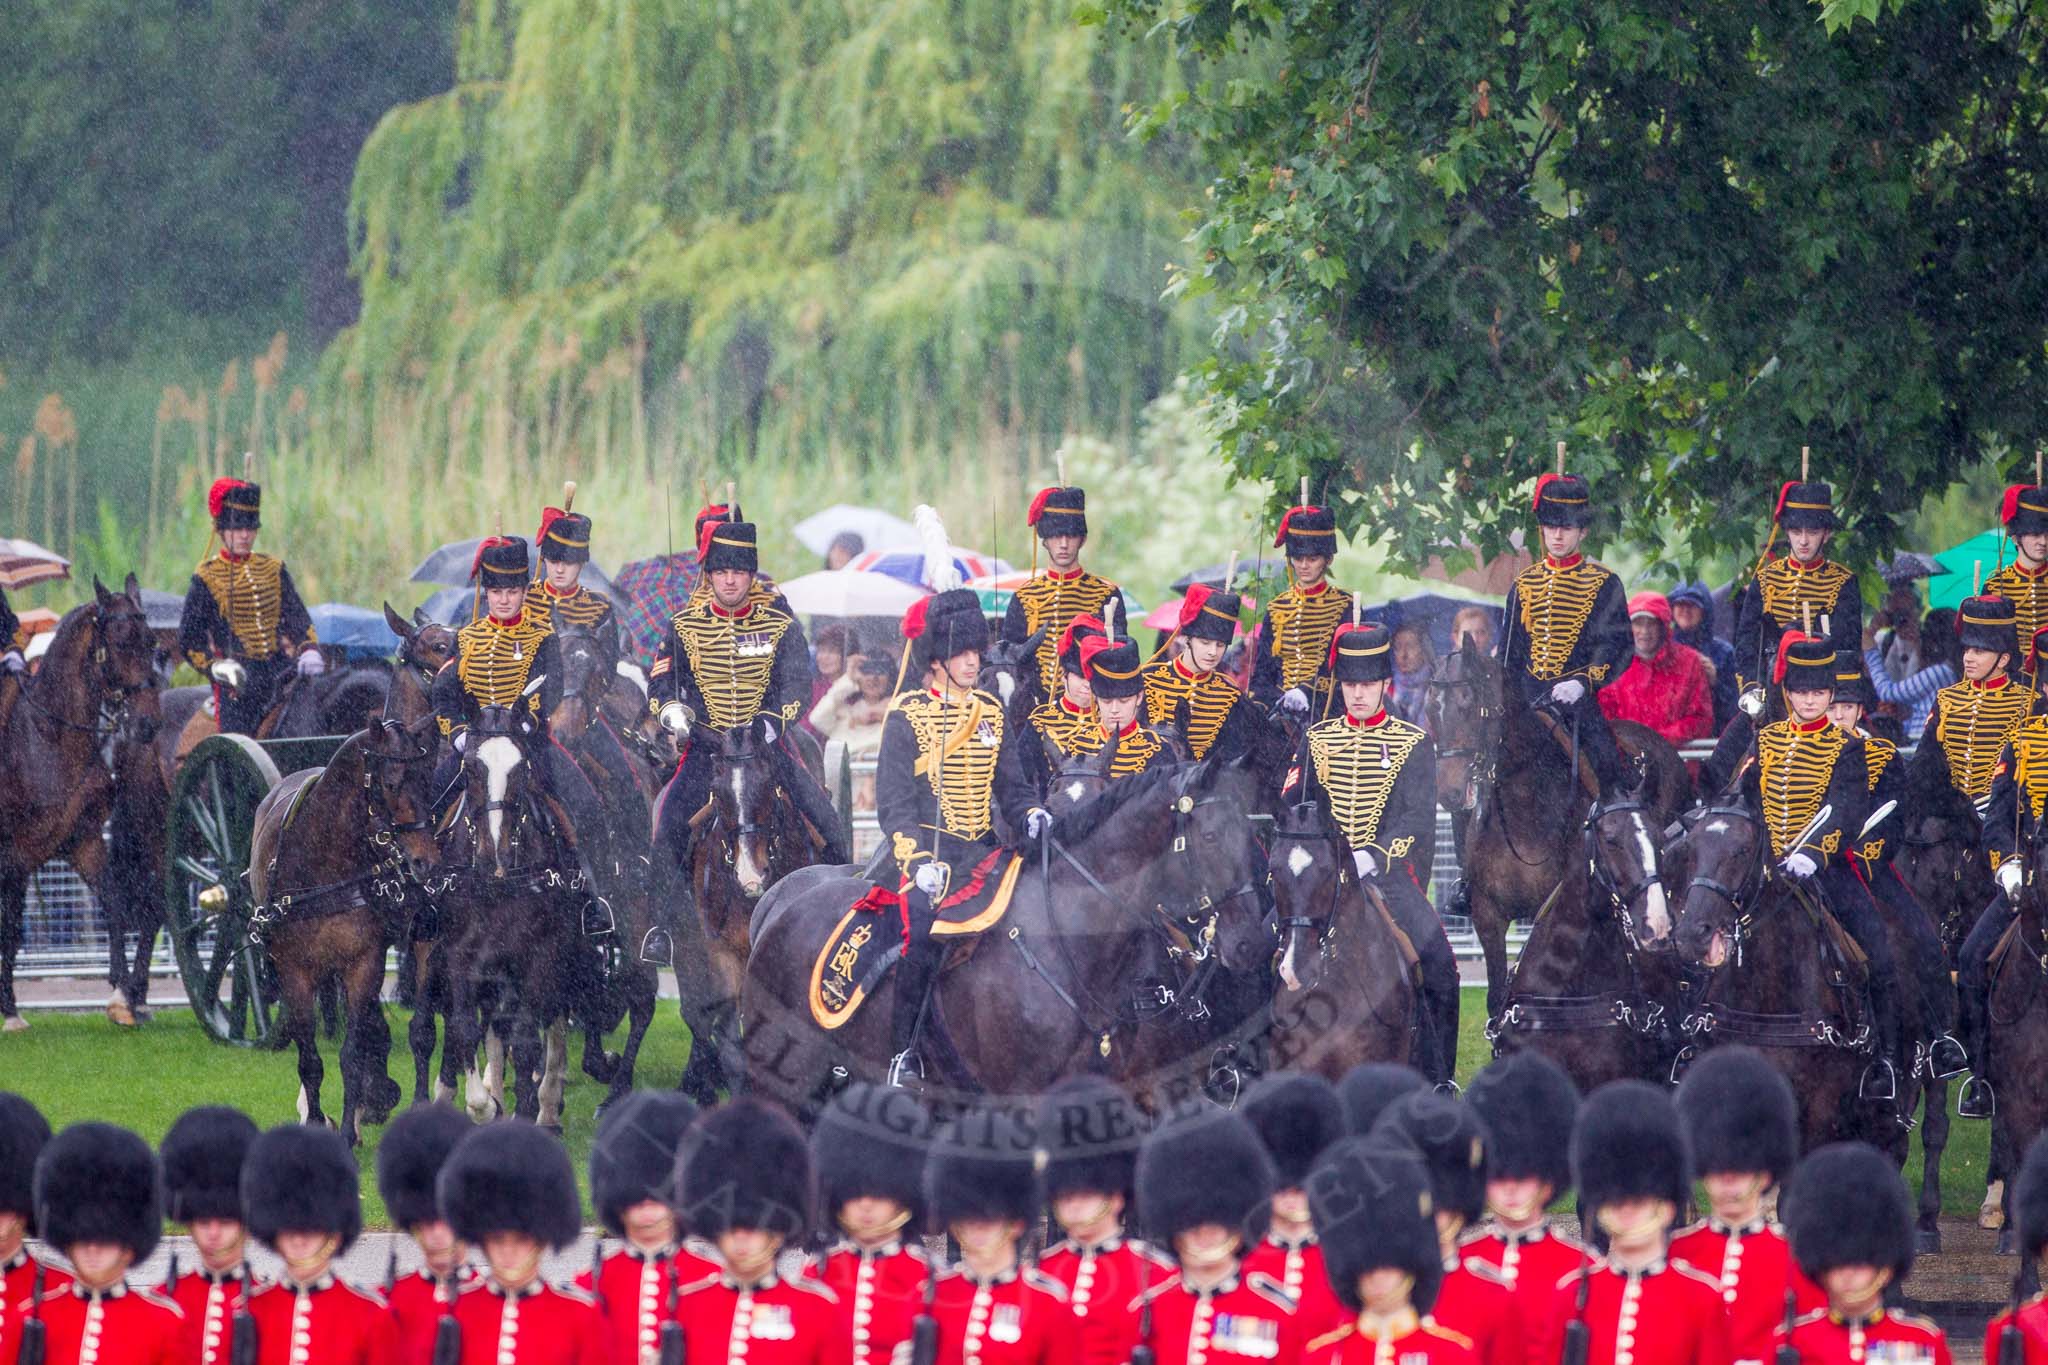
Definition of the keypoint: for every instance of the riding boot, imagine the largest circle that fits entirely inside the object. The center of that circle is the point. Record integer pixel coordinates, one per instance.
(1880, 1080)
(1977, 1100)
(914, 977)
(816, 807)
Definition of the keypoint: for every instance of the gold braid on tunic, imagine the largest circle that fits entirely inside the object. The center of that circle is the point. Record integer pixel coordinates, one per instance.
(1788, 589)
(958, 742)
(2028, 593)
(1053, 603)
(1974, 724)
(1794, 768)
(580, 608)
(1209, 699)
(1356, 766)
(1555, 606)
(1302, 627)
(732, 659)
(250, 596)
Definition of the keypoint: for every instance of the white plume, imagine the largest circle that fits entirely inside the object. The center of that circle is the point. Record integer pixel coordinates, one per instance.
(940, 574)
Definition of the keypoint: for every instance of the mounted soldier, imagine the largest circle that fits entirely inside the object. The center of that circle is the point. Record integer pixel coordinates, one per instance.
(2024, 582)
(1377, 775)
(1190, 692)
(1567, 631)
(244, 626)
(1804, 585)
(1972, 717)
(1057, 722)
(1116, 680)
(1065, 590)
(1293, 643)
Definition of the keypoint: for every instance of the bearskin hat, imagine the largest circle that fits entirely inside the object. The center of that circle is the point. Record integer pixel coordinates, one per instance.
(950, 623)
(1362, 653)
(730, 545)
(745, 1165)
(1207, 1167)
(984, 1164)
(1528, 1105)
(1563, 500)
(23, 1133)
(1307, 532)
(415, 1146)
(1296, 1115)
(1846, 1204)
(1805, 507)
(1452, 1142)
(1368, 1088)
(1989, 622)
(1371, 1201)
(98, 1183)
(301, 1179)
(871, 1143)
(1089, 1131)
(1058, 512)
(500, 562)
(202, 1158)
(510, 1177)
(564, 536)
(1207, 614)
(2030, 1199)
(235, 505)
(1114, 668)
(1739, 1114)
(1628, 1145)
(634, 1157)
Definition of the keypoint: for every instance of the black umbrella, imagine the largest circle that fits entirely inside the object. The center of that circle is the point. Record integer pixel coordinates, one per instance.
(162, 610)
(449, 565)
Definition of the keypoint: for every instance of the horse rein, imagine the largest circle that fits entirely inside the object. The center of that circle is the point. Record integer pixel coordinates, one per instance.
(112, 701)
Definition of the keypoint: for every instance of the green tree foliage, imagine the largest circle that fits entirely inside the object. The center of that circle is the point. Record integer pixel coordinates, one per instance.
(1688, 239)
(797, 228)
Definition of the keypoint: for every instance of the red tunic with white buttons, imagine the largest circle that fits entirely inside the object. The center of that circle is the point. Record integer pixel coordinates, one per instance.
(18, 1285)
(880, 1291)
(117, 1326)
(2032, 1321)
(632, 1289)
(775, 1322)
(417, 1306)
(1297, 1267)
(210, 1303)
(1102, 1282)
(1825, 1338)
(1248, 1317)
(1530, 1262)
(1413, 1341)
(1754, 1267)
(325, 1322)
(1667, 1314)
(541, 1324)
(1020, 1317)
(1476, 1303)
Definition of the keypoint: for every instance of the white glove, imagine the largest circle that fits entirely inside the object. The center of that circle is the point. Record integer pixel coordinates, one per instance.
(1751, 702)
(675, 718)
(229, 673)
(1037, 821)
(2010, 875)
(312, 663)
(1567, 691)
(930, 878)
(13, 662)
(1367, 865)
(1799, 866)
(1294, 700)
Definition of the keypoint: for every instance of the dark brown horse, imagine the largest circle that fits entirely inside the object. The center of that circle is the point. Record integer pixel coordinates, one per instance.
(337, 859)
(2019, 1023)
(57, 755)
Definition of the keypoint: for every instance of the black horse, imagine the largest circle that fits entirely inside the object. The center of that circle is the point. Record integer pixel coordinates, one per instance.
(2019, 1021)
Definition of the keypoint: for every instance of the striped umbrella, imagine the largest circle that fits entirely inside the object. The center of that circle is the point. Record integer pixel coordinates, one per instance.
(23, 562)
(908, 566)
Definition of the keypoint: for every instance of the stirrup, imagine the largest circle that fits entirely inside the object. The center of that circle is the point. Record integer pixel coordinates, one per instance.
(1879, 1082)
(1448, 1088)
(1225, 1081)
(1976, 1100)
(1946, 1057)
(658, 948)
(598, 919)
(906, 1070)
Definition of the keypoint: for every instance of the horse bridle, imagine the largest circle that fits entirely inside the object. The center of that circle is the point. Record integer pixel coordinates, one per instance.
(1619, 900)
(746, 827)
(1738, 898)
(112, 709)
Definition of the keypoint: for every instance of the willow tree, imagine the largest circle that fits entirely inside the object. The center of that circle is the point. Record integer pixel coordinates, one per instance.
(793, 229)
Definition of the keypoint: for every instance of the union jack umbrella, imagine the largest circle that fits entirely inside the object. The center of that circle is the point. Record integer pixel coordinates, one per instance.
(908, 566)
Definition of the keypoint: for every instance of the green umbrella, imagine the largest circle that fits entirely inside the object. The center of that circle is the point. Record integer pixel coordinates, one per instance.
(1961, 565)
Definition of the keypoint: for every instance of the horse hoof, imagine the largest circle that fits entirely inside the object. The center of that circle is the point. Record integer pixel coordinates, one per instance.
(1927, 1241)
(1991, 1213)
(118, 1011)
(14, 1023)
(552, 1129)
(2008, 1242)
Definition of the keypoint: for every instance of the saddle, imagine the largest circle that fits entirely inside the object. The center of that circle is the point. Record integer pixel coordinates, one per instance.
(869, 939)
(1561, 734)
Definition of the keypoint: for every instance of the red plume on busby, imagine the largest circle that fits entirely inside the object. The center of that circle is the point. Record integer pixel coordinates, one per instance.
(708, 514)
(1191, 605)
(1542, 481)
(913, 619)
(1038, 506)
(1784, 492)
(548, 517)
(217, 496)
(1785, 643)
(2009, 505)
(1078, 630)
(1091, 646)
(488, 543)
(1280, 536)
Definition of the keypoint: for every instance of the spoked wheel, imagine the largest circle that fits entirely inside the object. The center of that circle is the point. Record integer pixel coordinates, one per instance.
(207, 904)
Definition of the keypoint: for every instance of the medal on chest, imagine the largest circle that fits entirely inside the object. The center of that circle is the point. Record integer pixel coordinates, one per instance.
(772, 1322)
(1006, 1324)
(1253, 1338)
(753, 644)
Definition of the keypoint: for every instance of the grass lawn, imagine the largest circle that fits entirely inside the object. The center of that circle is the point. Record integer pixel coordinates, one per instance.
(78, 1066)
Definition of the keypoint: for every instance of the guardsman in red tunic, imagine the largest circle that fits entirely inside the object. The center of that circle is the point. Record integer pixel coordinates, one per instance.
(300, 1191)
(202, 1159)
(869, 1149)
(1739, 1112)
(1088, 1130)
(1636, 1306)
(981, 1186)
(1851, 1221)
(1528, 1105)
(23, 1133)
(1296, 1115)
(98, 1199)
(1372, 1200)
(1202, 1179)
(2030, 1215)
(509, 1189)
(1059, 517)
(632, 1165)
(744, 1180)
(415, 1146)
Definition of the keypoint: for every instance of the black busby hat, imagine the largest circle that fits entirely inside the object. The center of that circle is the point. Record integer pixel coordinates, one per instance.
(730, 545)
(944, 625)
(871, 1143)
(301, 1179)
(500, 562)
(1988, 622)
(1628, 1145)
(23, 1133)
(1078, 632)
(745, 1165)
(1362, 653)
(1307, 532)
(1806, 507)
(1804, 664)
(415, 1146)
(2030, 1199)
(98, 1183)
(1114, 667)
(510, 1177)
(1296, 1115)
(984, 1164)
(1563, 500)
(634, 1157)
(1368, 1088)
(1852, 684)
(1528, 1105)
(2024, 510)
(202, 1157)
(235, 504)
(1058, 512)
(1089, 1131)
(1739, 1114)
(1846, 1204)
(564, 536)
(1207, 1167)
(1371, 1201)
(1452, 1142)
(1207, 614)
